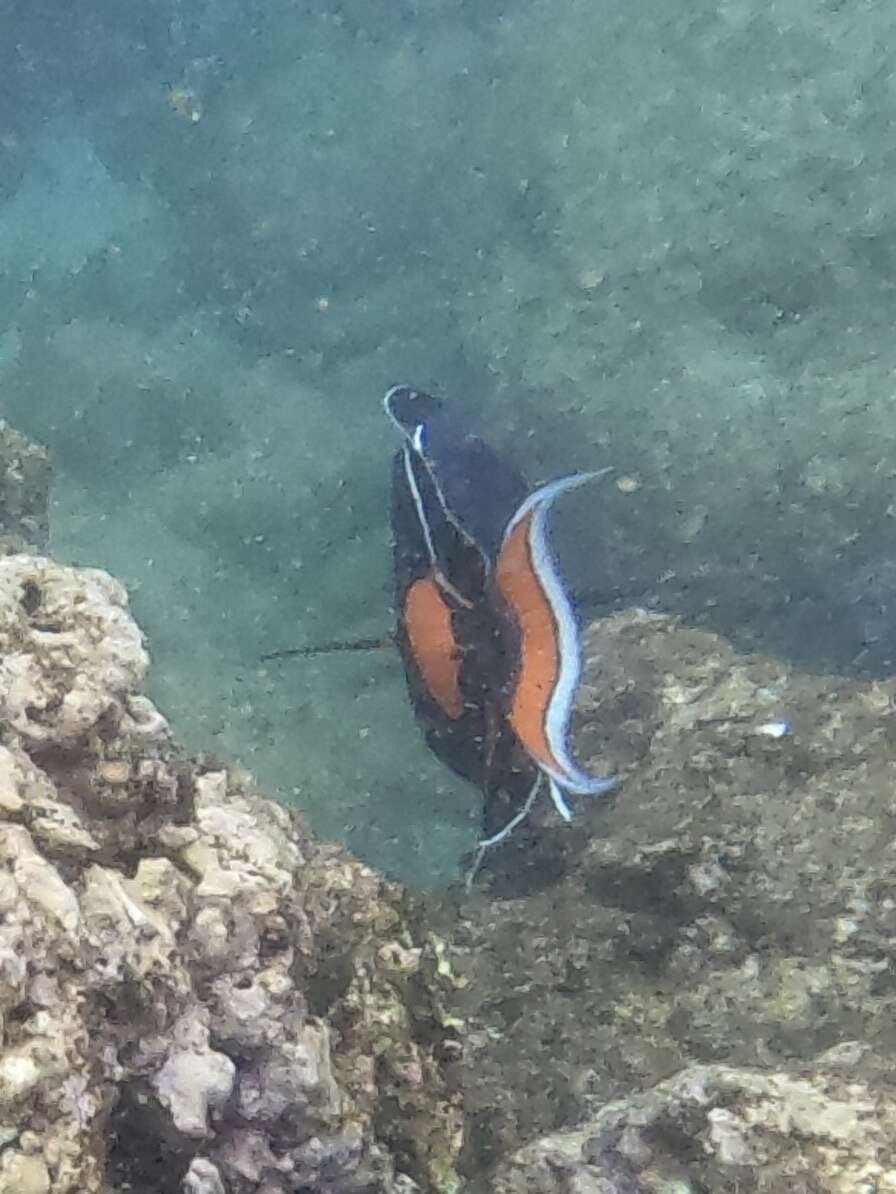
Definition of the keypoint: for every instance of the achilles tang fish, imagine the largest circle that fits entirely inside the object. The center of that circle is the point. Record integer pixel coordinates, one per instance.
(485, 627)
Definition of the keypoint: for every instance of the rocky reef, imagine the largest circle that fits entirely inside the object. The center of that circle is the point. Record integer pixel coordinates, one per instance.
(690, 988)
(196, 996)
(721, 936)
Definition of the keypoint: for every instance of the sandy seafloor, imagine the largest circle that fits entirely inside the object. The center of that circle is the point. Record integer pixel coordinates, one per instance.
(657, 235)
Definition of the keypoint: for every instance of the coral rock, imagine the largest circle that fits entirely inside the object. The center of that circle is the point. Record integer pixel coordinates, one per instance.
(195, 995)
(828, 1127)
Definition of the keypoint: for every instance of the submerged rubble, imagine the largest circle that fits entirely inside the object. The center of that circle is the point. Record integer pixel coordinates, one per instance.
(687, 989)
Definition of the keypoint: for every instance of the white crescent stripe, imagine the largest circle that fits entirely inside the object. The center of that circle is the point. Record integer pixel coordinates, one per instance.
(566, 774)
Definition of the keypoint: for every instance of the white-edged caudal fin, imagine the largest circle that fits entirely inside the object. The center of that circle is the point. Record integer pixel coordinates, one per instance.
(545, 496)
(559, 800)
(542, 702)
(597, 786)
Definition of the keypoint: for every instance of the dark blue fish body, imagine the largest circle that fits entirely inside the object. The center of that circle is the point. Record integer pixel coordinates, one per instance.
(452, 495)
(478, 488)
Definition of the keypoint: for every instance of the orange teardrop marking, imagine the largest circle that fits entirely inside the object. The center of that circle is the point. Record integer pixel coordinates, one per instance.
(539, 668)
(427, 620)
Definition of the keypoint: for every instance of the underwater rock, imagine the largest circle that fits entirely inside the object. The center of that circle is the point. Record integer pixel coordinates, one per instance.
(70, 655)
(24, 492)
(825, 1127)
(732, 904)
(196, 995)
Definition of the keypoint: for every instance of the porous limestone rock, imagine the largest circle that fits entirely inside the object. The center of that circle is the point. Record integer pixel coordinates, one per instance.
(195, 995)
(827, 1128)
(70, 654)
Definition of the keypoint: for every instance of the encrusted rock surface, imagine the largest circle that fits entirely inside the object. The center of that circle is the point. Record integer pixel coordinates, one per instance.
(829, 1127)
(734, 904)
(70, 654)
(195, 994)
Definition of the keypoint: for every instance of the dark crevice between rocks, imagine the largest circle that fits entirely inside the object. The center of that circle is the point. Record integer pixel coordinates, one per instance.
(482, 1148)
(31, 598)
(145, 1154)
(531, 862)
(657, 891)
(120, 1015)
(326, 985)
(678, 1142)
(387, 1119)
